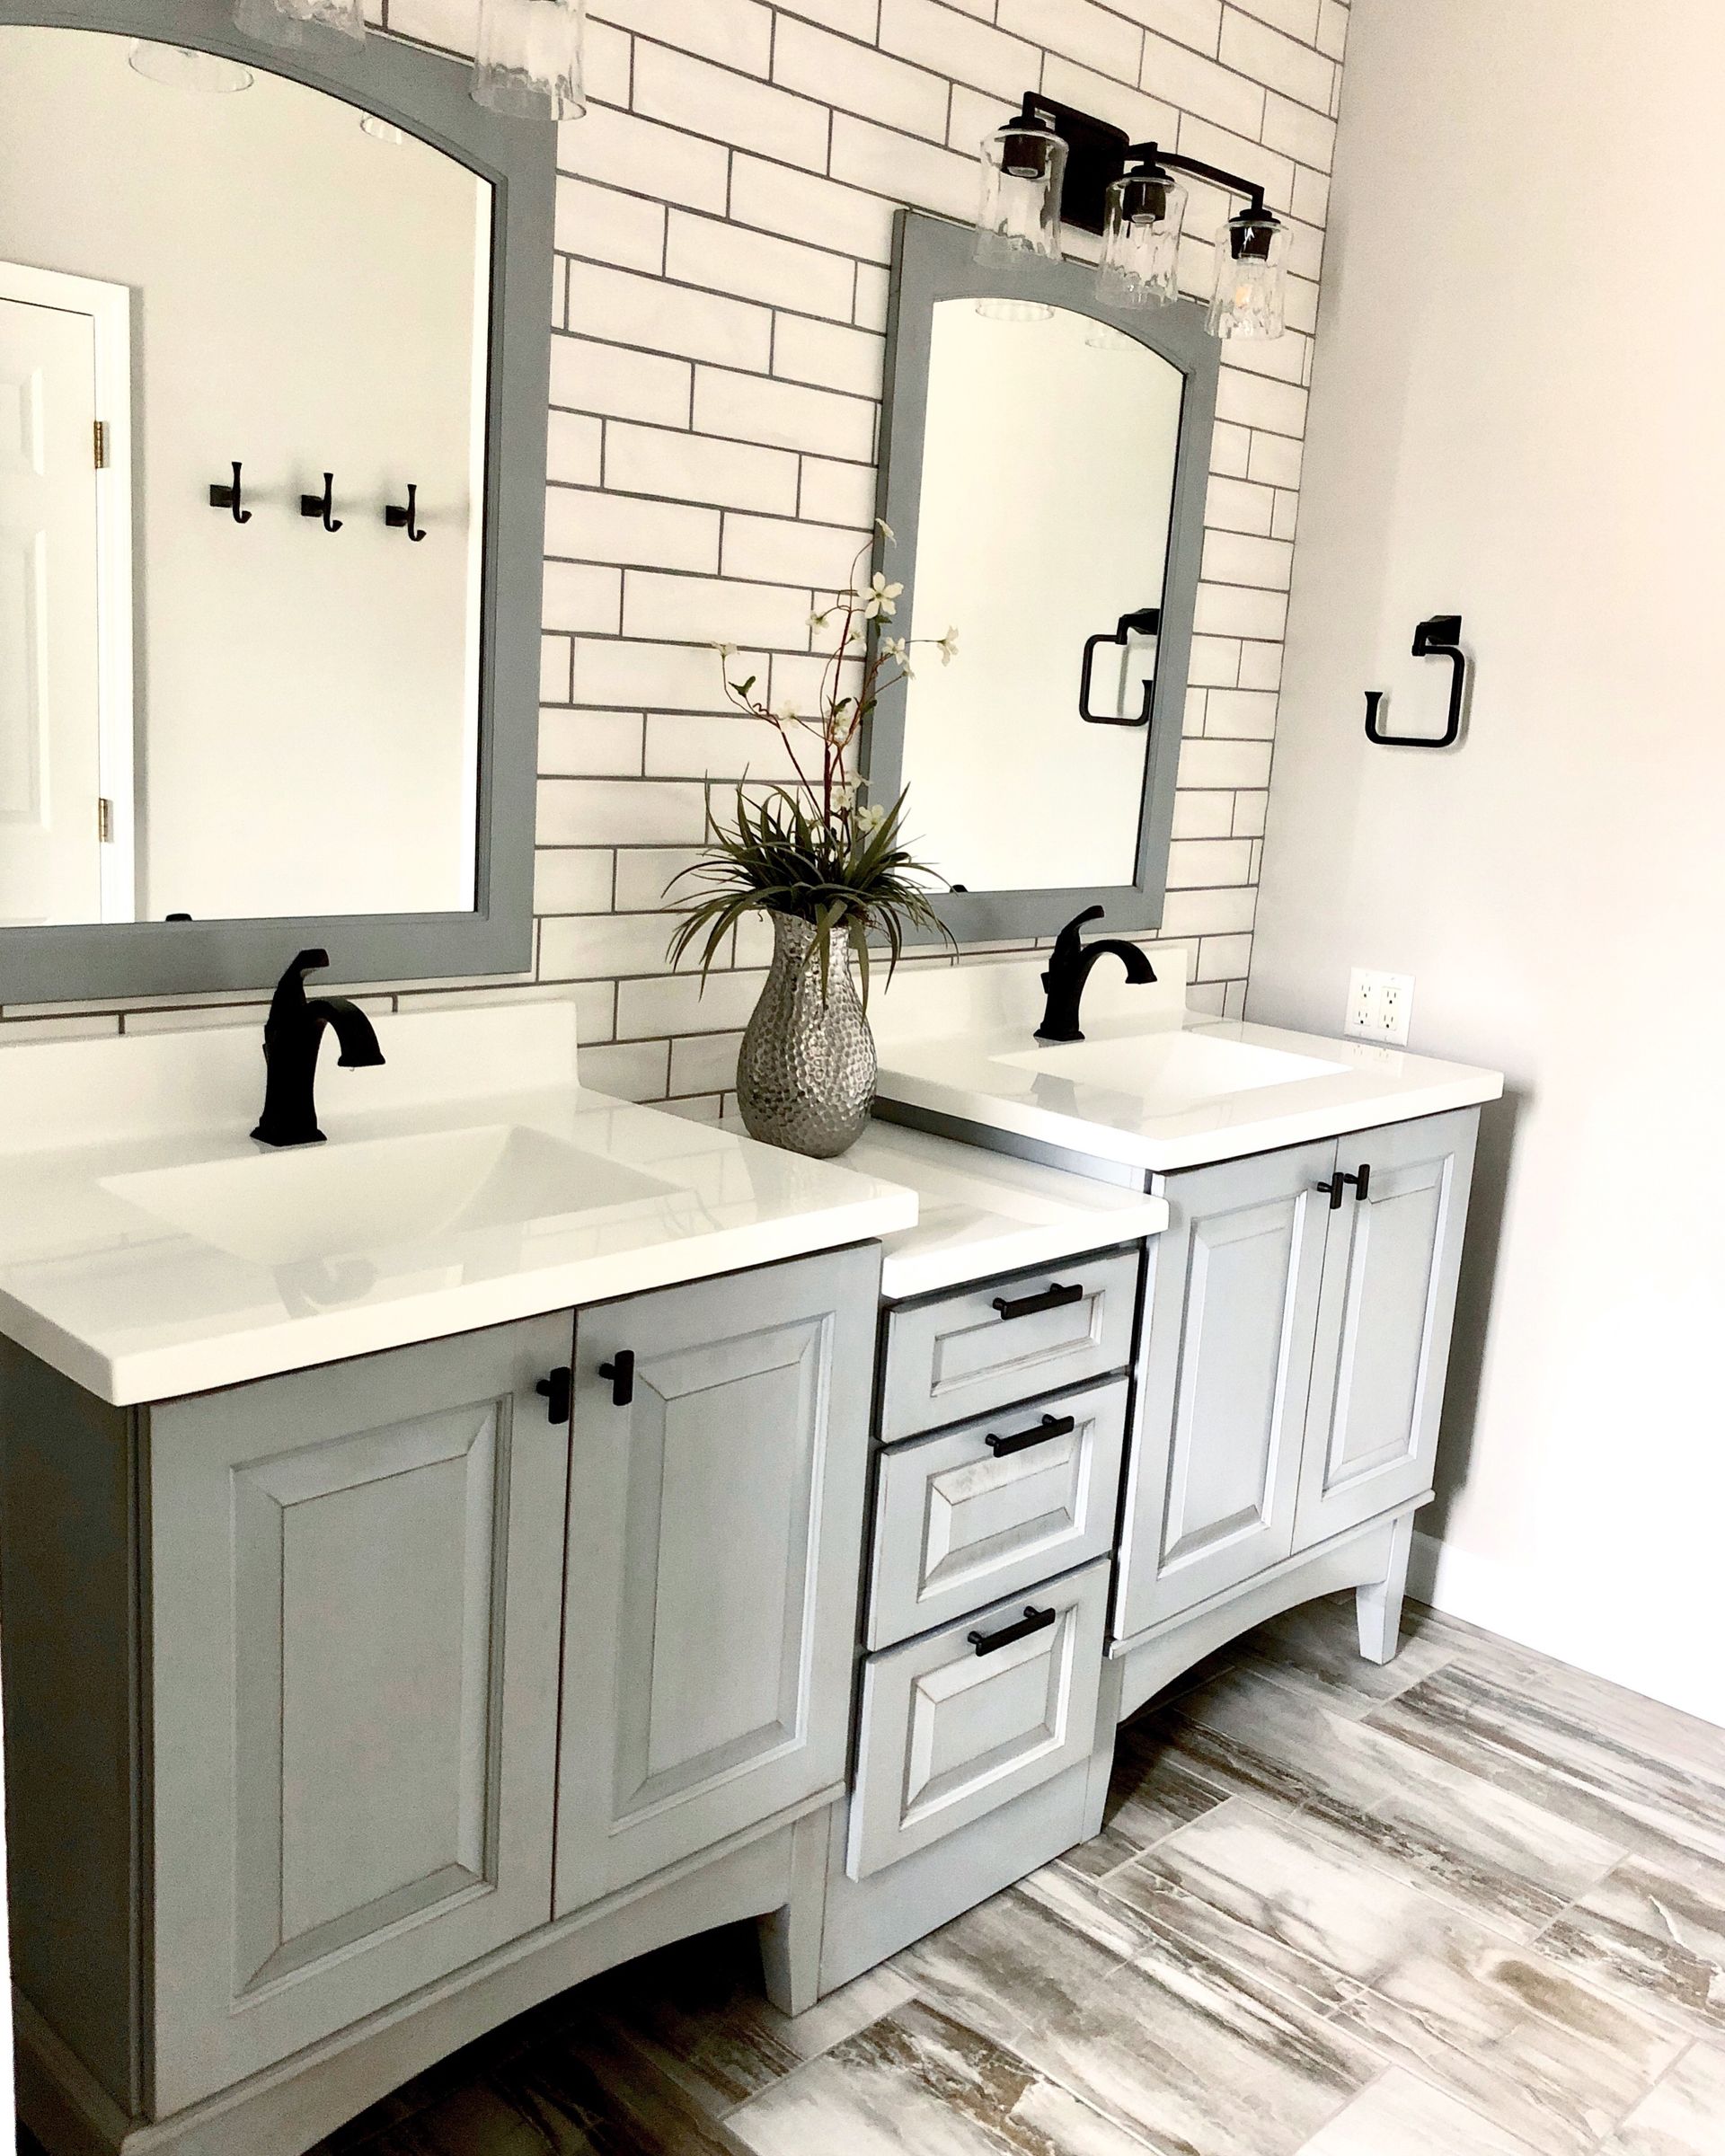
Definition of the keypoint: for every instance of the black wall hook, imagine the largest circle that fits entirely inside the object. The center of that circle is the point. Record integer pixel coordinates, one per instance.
(231, 497)
(1440, 638)
(323, 504)
(406, 520)
(1147, 622)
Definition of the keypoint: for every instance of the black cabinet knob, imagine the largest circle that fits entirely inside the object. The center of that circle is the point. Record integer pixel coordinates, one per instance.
(555, 1392)
(621, 1371)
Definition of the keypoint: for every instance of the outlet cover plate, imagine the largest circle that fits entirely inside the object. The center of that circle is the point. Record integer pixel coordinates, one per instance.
(1380, 1006)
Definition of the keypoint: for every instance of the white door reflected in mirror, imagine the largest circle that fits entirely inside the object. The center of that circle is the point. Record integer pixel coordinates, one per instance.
(286, 719)
(1048, 461)
(50, 717)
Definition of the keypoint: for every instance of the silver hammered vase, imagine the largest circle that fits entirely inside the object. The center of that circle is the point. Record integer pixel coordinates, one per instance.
(806, 1075)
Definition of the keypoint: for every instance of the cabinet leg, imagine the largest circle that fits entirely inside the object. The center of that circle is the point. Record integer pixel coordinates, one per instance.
(790, 1937)
(1379, 1605)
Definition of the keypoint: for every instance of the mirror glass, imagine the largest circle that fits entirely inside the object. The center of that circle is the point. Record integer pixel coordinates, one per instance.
(1047, 485)
(234, 709)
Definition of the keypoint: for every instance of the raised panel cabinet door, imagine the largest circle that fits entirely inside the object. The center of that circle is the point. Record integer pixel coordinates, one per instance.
(356, 1586)
(1384, 1322)
(715, 1540)
(1224, 1371)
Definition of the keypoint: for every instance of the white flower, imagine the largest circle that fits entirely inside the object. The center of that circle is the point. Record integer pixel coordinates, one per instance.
(819, 618)
(879, 600)
(885, 530)
(948, 647)
(897, 647)
(870, 819)
(726, 650)
(786, 715)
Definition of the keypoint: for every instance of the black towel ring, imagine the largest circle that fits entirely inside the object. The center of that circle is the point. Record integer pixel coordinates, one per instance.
(1145, 621)
(1440, 638)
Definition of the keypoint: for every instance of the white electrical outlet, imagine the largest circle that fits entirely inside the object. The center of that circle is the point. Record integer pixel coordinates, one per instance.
(1380, 1006)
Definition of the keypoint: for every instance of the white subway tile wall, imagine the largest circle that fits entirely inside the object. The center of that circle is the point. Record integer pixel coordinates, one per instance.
(725, 223)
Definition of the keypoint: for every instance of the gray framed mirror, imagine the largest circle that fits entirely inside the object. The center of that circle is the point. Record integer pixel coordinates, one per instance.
(1045, 460)
(274, 366)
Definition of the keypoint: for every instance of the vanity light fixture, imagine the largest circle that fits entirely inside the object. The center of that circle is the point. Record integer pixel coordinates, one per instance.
(1052, 164)
(530, 58)
(302, 25)
(1023, 180)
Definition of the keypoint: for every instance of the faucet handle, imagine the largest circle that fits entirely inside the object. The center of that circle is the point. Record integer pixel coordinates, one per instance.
(310, 961)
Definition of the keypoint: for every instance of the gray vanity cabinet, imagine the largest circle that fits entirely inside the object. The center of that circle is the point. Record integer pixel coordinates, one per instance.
(1384, 1323)
(1296, 1351)
(715, 1518)
(355, 1585)
(1231, 1318)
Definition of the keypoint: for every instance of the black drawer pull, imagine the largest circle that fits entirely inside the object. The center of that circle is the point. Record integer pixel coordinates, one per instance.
(555, 1391)
(621, 1373)
(1032, 1620)
(1337, 1190)
(1050, 1426)
(1028, 1306)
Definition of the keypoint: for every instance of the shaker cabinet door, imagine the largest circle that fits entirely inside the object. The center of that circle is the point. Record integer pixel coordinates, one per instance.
(716, 1502)
(355, 1589)
(1384, 1322)
(1225, 1370)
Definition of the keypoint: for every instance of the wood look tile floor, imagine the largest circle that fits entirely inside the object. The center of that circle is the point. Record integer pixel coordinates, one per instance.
(1470, 1905)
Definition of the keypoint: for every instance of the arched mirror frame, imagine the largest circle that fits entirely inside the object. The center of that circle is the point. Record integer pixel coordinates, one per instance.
(934, 260)
(427, 95)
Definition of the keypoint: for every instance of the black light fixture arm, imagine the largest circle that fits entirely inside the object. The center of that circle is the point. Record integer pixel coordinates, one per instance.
(1249, 230)
(1236, 183)
(1098, 154)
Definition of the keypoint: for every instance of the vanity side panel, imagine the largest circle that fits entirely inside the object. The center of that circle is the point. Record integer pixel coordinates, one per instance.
(70, 1602)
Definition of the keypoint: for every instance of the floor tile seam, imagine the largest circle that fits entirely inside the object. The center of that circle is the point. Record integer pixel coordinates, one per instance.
(1358, 1986)
(1692, 2024)
(1690, 1781)
(1312, 1686)
(1342, 2109)
(1316, 1809)
(1033, 2072)
(1658, 2082)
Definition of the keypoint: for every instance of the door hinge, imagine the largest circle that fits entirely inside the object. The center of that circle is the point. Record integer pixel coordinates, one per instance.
(99, 430)
(105, 821)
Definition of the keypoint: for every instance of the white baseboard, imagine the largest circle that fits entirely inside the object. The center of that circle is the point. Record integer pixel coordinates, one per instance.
(1599, 1627)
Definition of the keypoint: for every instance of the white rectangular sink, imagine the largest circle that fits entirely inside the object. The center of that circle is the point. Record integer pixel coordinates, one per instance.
(1155, 1086)
(341, 1201)
(1173, 1073)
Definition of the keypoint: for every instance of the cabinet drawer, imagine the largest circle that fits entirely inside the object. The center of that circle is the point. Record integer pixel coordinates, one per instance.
(1007, 1340)
(968, 1717)
(993, 1506)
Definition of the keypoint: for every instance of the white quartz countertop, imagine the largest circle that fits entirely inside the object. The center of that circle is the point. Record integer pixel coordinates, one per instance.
(1153, 1086)
(97, 1280)
(984, 1213)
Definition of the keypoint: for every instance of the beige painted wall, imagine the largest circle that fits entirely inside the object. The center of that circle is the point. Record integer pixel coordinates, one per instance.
(1516, 416)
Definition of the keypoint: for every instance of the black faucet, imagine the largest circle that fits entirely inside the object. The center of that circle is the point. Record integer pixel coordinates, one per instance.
(292, 1035)
(1069, 964)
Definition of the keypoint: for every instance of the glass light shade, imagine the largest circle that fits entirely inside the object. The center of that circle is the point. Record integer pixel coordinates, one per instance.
(1251, 278)
(302, 25)
(1141, 233)
(184, 67)
(530, 58)
(1023, 172)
